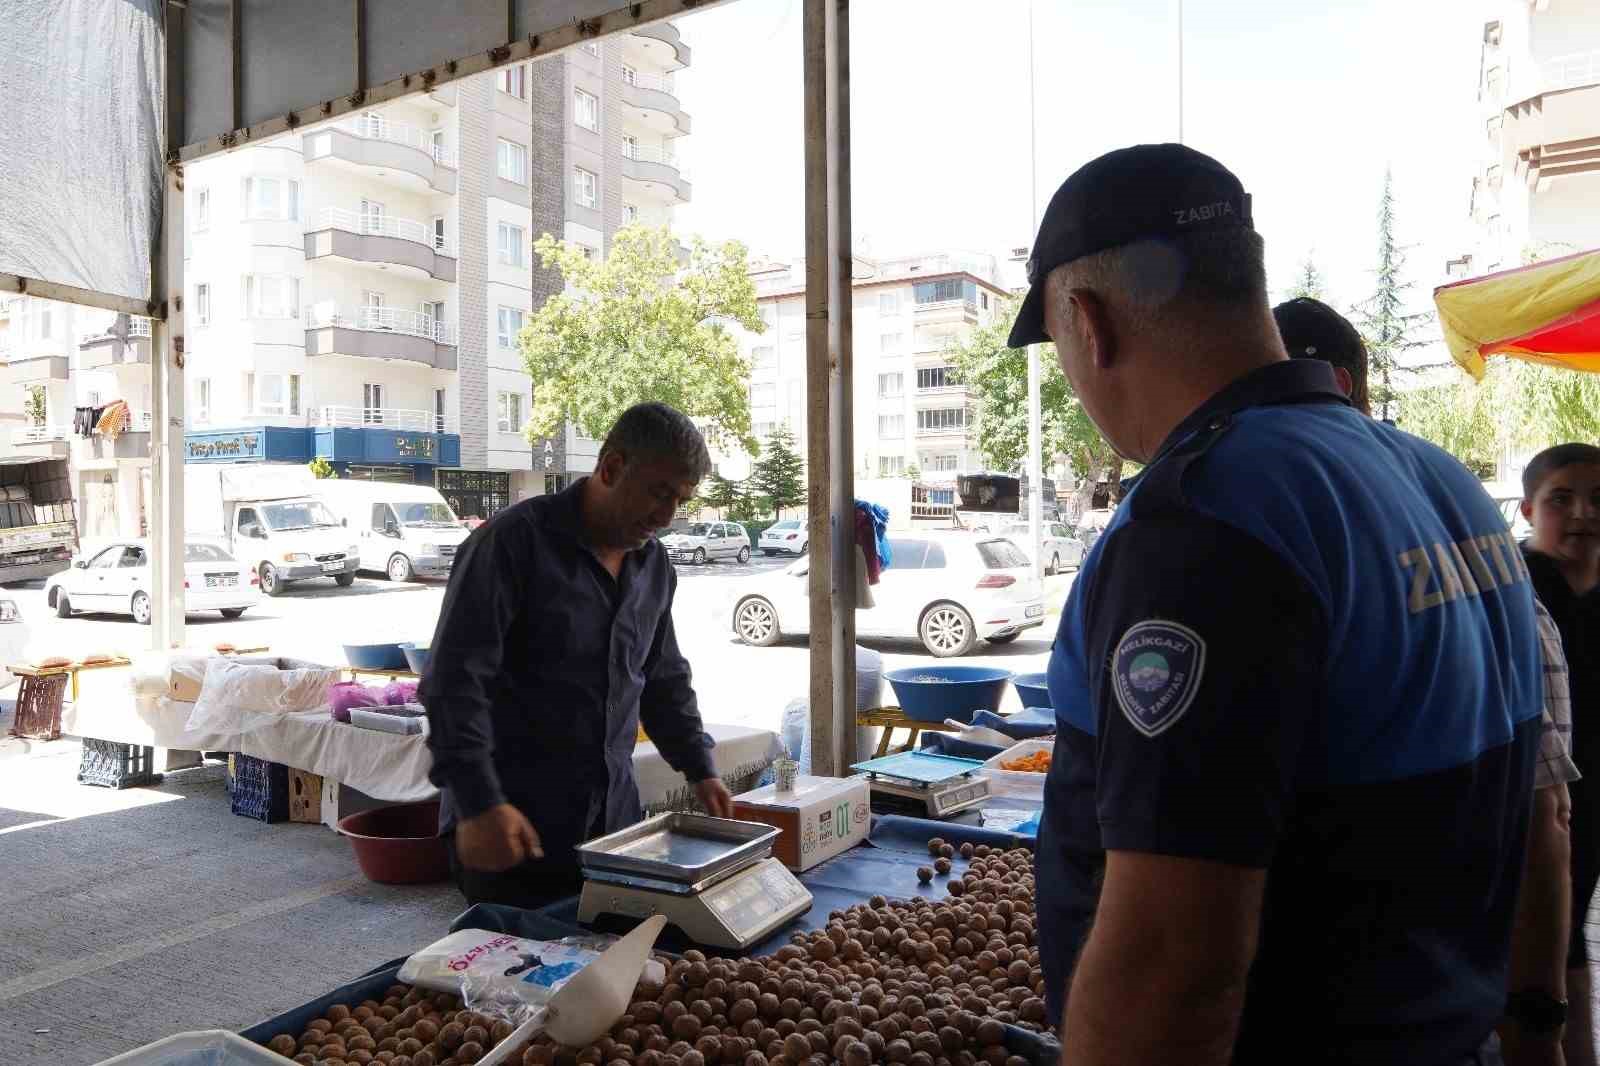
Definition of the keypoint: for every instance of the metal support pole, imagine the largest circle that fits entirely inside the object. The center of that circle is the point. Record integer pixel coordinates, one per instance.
(830, 445)
(166, 376)
(1035, 465)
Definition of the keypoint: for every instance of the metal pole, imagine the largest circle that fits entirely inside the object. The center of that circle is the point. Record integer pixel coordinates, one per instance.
(1180, 71)
(1033, 468)
(166, 373)
(830, 482)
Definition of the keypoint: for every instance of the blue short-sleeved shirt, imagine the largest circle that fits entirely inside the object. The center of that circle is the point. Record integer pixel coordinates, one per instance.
(1306, 643)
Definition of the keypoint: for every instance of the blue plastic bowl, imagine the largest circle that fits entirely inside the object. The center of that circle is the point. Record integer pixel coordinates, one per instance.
(1034, 689)
(934, 693)
(416, 657)
(375, 656)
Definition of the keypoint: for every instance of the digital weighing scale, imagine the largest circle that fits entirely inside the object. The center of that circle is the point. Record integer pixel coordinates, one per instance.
(924, 783)
(713, 878)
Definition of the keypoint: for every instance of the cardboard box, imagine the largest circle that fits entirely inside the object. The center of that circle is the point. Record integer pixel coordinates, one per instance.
(305, 796)
(822, 817)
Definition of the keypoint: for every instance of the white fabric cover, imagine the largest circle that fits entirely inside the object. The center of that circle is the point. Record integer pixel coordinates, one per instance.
(242, 697)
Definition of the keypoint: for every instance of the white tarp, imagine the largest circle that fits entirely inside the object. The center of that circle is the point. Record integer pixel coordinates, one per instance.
(81, 142)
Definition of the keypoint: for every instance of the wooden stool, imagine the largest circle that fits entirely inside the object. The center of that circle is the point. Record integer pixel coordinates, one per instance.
(891, 718)
(39, 702)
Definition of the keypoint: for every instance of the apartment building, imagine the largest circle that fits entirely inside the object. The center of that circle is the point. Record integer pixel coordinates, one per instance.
(909, 411)
(1538, 179)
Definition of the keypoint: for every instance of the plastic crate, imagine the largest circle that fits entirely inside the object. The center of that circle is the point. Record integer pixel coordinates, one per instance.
(38, 714)
(258, 789)
(111, 764)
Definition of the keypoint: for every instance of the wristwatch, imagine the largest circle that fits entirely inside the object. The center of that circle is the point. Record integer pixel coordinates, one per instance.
(1536, 1013)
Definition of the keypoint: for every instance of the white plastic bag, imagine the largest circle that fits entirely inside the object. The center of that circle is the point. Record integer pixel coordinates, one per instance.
(242, 697)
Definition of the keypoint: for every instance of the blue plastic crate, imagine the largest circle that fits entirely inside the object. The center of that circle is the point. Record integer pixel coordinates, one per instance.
(258, 789)
(110, 764)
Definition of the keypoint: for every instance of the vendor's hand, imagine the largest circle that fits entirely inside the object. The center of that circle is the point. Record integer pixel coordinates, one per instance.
(498, 839)
(715, 797)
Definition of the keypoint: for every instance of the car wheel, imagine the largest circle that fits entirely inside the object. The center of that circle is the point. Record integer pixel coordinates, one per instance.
(344, 581)
(400, 568)
(232, 612)
(1005, 638)
(947, 630)
(744, 555)
(699, 557)
(271, 584)
(141, 608)
(1055, 565)
(63, 605)
(756, 622)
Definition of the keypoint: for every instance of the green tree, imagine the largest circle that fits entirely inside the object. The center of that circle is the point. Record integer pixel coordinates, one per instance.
(34, 405)
(998, 378)
(1388, 329)
(779, 476)
(722, 493)
(1458, 416)
(1309, 284)
(321, 468)
(913, 472)
(640, 326)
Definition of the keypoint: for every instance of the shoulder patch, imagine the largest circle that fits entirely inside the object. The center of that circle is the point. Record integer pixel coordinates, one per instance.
(1156, 671)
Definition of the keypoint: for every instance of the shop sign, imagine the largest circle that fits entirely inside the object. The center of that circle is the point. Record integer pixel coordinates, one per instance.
(550, 453)
(237, 446)
(407, 446)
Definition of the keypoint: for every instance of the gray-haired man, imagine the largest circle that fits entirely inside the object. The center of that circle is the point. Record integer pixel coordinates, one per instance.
(554, 642)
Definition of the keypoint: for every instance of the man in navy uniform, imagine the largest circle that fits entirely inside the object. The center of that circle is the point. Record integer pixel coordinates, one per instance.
(1297, 680)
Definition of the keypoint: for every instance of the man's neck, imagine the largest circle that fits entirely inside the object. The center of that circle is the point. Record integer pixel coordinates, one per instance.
(1198, 376)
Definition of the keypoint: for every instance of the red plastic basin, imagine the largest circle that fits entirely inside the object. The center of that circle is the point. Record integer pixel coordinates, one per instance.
(399, 845)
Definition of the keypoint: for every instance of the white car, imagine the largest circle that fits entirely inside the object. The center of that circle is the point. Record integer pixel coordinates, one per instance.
(704, 542)
(13, 639)
(1061, 548)
(117, 579)
(790, 535)
(946, 590)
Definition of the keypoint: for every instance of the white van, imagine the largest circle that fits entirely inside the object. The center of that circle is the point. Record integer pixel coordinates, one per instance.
(403, 531)
(270, 520)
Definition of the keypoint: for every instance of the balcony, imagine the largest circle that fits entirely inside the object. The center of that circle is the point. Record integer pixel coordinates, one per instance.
(410, 247)
(381, 333)
(656, 169)
(36, 369)
(656, 100)
(410, 419)
(107, 350)
(399, 153)
(1571, 71)
(662, 44)
(131, 443)
(41, 441)
(947, 311)
(944, 430)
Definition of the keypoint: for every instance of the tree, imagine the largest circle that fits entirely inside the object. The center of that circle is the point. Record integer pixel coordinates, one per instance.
(722, 493)
(34, 405)
(913, 472)
(1388, 329)
(779, 476)
(1310, 283)
(1456, 416)
(321, 468)
(640, 326)
(998, 378)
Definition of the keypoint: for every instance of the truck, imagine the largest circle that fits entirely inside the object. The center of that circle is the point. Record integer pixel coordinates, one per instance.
(403, 531)
(270, 517)
(38, 528)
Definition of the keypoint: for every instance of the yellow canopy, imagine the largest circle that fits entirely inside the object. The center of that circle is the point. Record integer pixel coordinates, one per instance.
(1545, 313)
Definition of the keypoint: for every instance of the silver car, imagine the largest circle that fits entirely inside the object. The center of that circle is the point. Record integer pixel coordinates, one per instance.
(704, 542)
(790, 536)
(1061, 548)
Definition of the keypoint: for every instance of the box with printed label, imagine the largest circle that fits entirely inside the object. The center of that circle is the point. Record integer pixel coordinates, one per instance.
(820, 818)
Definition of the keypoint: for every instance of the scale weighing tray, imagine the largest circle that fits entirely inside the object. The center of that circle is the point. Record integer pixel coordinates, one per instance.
(714, 878)
(925, 783)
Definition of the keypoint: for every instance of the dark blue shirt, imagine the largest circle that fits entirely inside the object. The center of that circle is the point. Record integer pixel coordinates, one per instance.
(542, 668)
(1306, 644)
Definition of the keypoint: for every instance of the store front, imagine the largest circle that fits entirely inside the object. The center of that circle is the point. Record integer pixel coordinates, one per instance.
(474, 493)
(372, 453)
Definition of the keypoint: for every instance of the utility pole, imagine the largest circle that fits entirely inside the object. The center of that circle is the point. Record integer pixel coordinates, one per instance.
(1180, 71)
(1034, 467)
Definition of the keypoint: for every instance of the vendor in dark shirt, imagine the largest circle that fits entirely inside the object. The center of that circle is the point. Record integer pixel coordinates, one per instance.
(554, 643)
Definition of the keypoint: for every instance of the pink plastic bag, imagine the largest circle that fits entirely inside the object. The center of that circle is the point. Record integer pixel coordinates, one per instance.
(397, 692)
(347, 694)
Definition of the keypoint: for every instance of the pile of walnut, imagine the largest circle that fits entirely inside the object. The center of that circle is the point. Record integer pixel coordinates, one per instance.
(902, 981)
(411, 1027)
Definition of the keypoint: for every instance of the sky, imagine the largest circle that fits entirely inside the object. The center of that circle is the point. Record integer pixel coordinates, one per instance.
(1307, 106)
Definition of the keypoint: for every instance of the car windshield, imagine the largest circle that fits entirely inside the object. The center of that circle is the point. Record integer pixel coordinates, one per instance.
(699, 529)
(1001, 555)
(301, 514)
(205, 553)
(433, 514)
(1016, 530)
(786, 524)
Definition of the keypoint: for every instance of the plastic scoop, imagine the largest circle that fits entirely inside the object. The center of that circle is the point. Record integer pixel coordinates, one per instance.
(590, 1003)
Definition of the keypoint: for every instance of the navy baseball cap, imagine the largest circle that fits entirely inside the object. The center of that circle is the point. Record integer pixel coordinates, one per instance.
(1147, 192)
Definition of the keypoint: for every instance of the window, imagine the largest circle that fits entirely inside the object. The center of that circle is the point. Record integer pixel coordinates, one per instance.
(513, 81)
(510, 240)
(202, 400)
(434, 310)
(890, 385)
(249, 394)
(438, 410)
(437, 137)
(372, 404)
(294, 394)
(272, 199)
(585, 187)
(271, 394)
(936, 377)
(983, 300)
(271, 296)
(511, 161)
(202, 209)
(372, 298)
(590, 252)
(934, 292)
(630, 75)
(44, 324)
(762, 430)
(630, 146)
(891, 466)
(508, 412)
(941, 419)
(889, 303)
(764, 395)
(381, 517)
(93, 396)
(891, 427)
(630, 214)
(764, 358)
(439, 242)
(586, 109)
(508, 323)
(892, 343)
(943, 464)
(908, 554)
(1001, 555)
(202, 304)
(592, 47)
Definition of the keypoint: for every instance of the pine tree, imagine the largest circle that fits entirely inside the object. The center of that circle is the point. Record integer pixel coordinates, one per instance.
(1384, 323)
(721, 493)
(1310, 284)
(779, 476)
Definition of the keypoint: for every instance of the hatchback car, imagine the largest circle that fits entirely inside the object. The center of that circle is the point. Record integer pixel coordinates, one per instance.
(118, 578)
(948, 591)
(704, 542)
(790, 535)
(1061, 548)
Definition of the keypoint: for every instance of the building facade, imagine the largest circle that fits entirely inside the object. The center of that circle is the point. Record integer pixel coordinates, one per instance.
(1538, 179)
(911, 416)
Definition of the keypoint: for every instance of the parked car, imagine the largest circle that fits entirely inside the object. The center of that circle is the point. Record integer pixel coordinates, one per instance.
(117, 580)
(1061, 548)
(704, 542)
(790, 535)
(1508, 497)
(402, 531)
(946, 590)
(1092, 524)
(14, 635)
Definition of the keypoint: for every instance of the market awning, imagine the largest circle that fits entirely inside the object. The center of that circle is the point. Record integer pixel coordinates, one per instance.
(1545, 313)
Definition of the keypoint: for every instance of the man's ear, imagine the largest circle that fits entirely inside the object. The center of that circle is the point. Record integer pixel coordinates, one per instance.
(1347, 384)
(1095, 331)
(610, 468)
(1527, 509)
